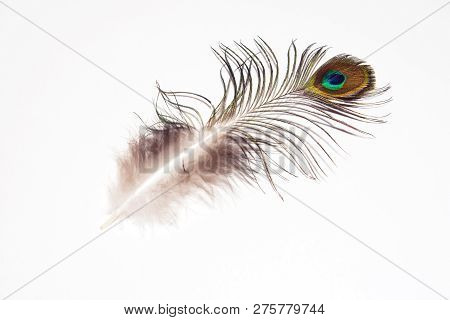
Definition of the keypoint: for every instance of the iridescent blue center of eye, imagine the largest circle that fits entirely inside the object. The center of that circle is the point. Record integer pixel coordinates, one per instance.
(333, 80)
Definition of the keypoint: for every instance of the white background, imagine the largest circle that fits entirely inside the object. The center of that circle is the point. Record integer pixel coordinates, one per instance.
(62, 121)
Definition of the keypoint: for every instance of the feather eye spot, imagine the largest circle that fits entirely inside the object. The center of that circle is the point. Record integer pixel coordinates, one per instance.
(333, 80)
(342, 77)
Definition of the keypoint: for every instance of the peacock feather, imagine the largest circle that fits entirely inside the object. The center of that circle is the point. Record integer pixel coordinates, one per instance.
(265, 121)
